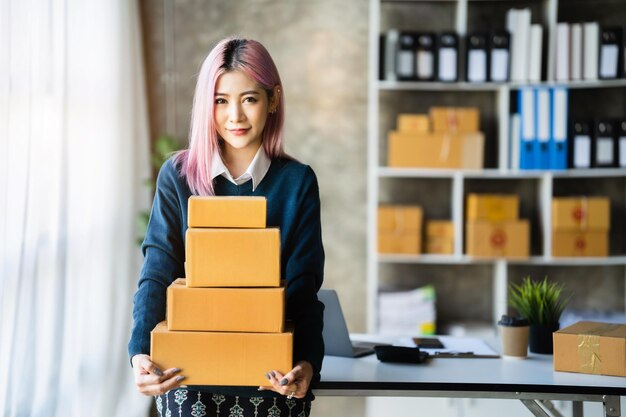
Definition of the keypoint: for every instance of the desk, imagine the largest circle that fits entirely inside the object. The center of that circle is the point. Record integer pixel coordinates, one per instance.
(532, 381)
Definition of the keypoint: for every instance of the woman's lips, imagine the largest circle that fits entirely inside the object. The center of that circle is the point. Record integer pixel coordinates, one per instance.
(238, 132)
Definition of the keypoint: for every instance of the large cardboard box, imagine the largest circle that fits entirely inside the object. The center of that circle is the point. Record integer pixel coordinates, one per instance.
(222, 358)
(227, 211)
(508, 240)
(439, 237)
(413, 123)
(455, 119)
(225, 309)
(493, 208)
(591, 348)
(581, 213)
(232, 257)
(580, 243)
(399, 229)
(435, 150)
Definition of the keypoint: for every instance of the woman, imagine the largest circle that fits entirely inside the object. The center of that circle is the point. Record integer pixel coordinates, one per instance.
(235, 148)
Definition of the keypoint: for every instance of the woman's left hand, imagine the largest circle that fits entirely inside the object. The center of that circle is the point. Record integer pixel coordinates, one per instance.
(294, 383)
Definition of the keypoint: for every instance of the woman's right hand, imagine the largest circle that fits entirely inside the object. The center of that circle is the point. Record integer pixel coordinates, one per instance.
(150, 380)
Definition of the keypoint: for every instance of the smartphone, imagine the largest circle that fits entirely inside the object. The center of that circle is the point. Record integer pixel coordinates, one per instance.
(428, 343)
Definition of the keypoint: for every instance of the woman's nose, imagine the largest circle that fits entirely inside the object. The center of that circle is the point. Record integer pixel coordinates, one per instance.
(235, 113)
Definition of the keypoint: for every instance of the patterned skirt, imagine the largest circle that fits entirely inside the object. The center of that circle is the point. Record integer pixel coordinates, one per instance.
(188, 403)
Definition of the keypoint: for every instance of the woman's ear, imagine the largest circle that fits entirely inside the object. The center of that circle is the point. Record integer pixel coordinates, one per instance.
(275, 101)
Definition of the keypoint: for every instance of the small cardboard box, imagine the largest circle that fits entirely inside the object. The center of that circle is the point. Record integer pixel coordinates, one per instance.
(222, 358)
(455, 119)
(232, 257)
(405, 243)
(439, 237)
(399, 219)
(495, 208)
(413, 123)
(591, 348)
(435, 150)
(508, 239)
(213, 309)
(581, 213)
(227, 211)
(578, 243)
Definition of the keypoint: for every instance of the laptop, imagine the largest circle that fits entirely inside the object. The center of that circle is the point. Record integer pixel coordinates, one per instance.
(336, 337)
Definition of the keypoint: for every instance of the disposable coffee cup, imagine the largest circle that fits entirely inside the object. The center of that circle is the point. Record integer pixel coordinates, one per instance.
(514, 335)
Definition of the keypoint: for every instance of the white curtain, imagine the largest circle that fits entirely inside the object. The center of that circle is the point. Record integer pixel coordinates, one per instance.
(73, 159)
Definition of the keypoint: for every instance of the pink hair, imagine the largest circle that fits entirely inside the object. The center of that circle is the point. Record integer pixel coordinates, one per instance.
(230, 54)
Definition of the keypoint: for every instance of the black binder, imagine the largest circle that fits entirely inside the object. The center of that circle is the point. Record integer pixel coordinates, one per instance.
(477, 62)
(611, 53)
(605, 146)
(425, 56)
(405, 58)
(621, 144)
(581, 145)
(499, 56)
(448, 57)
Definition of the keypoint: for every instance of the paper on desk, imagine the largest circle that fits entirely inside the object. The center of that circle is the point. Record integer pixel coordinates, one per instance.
(454, 344)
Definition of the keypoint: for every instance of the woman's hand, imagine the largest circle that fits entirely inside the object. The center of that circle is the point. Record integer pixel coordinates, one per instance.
(150, 380)
(294, 383)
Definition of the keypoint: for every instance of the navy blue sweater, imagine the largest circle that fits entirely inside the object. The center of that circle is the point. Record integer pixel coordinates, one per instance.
(293, 205)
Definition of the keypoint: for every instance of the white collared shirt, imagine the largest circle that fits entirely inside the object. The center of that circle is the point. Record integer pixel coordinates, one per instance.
(256, 170)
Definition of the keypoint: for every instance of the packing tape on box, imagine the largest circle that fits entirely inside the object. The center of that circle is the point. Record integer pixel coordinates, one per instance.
(589, 348)
(444, 154)
(581, 213)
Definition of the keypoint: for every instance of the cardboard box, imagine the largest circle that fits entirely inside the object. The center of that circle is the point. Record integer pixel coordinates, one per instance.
(591, 348)
(455, 119)
(222, 358)
(225, 309)
(493, 208)
(225, 211)
(574, 243)
(508, 240)
(399, 219)
(413, 123)
(405, 243)
(232, 257)
(581, 213)
(435, 150)
(439, 237)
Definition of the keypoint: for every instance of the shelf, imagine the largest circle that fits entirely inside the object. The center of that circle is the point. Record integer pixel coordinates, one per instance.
(468, 260)
(474, 87)
(387, 172)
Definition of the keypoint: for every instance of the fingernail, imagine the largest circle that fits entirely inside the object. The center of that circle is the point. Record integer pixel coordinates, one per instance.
(179, 378)
(267, 376)
(284, 381)
(273, 374)
(260, 389)
(176, 370)
(158, 372)
(183, 386)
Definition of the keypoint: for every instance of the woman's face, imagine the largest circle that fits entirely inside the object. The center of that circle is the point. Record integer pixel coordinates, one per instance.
(241, 110)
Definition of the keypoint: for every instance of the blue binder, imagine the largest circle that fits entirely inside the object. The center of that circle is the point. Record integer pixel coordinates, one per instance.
(528, 140)
(543, 123)
(558, 140)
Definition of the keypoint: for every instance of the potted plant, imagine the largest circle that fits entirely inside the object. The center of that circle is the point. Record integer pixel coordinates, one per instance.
(541, 303)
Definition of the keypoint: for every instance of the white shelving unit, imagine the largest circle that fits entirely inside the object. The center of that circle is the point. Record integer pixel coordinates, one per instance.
(545, 180)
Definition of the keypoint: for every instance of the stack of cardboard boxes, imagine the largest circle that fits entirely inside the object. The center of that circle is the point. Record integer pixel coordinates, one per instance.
(225, 323)
(399, 229)
(493, 227)
(448, 137)
(580, 226)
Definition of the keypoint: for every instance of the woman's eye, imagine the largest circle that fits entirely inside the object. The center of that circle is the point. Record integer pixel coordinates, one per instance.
(220, 101)
(249, 100)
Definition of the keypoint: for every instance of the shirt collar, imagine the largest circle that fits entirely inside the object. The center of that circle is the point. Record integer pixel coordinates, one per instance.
(256, 170)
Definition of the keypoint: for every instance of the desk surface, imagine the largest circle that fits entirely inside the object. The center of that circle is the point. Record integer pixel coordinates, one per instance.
(532, 375)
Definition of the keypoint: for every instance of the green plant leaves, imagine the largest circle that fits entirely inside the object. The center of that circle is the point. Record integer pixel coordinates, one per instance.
(539, 302)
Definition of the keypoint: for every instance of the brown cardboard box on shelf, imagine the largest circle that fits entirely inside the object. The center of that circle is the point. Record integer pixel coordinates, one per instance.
(591, 348)
(580, 243)
(435, 150)
(399, 229)
(232, 257)
(508, 239)
(494, 208)
(413, 123)
(222, 358)
(227, 211)
(581, 213)
(455, 119)
(439, 237)
(225, 309)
